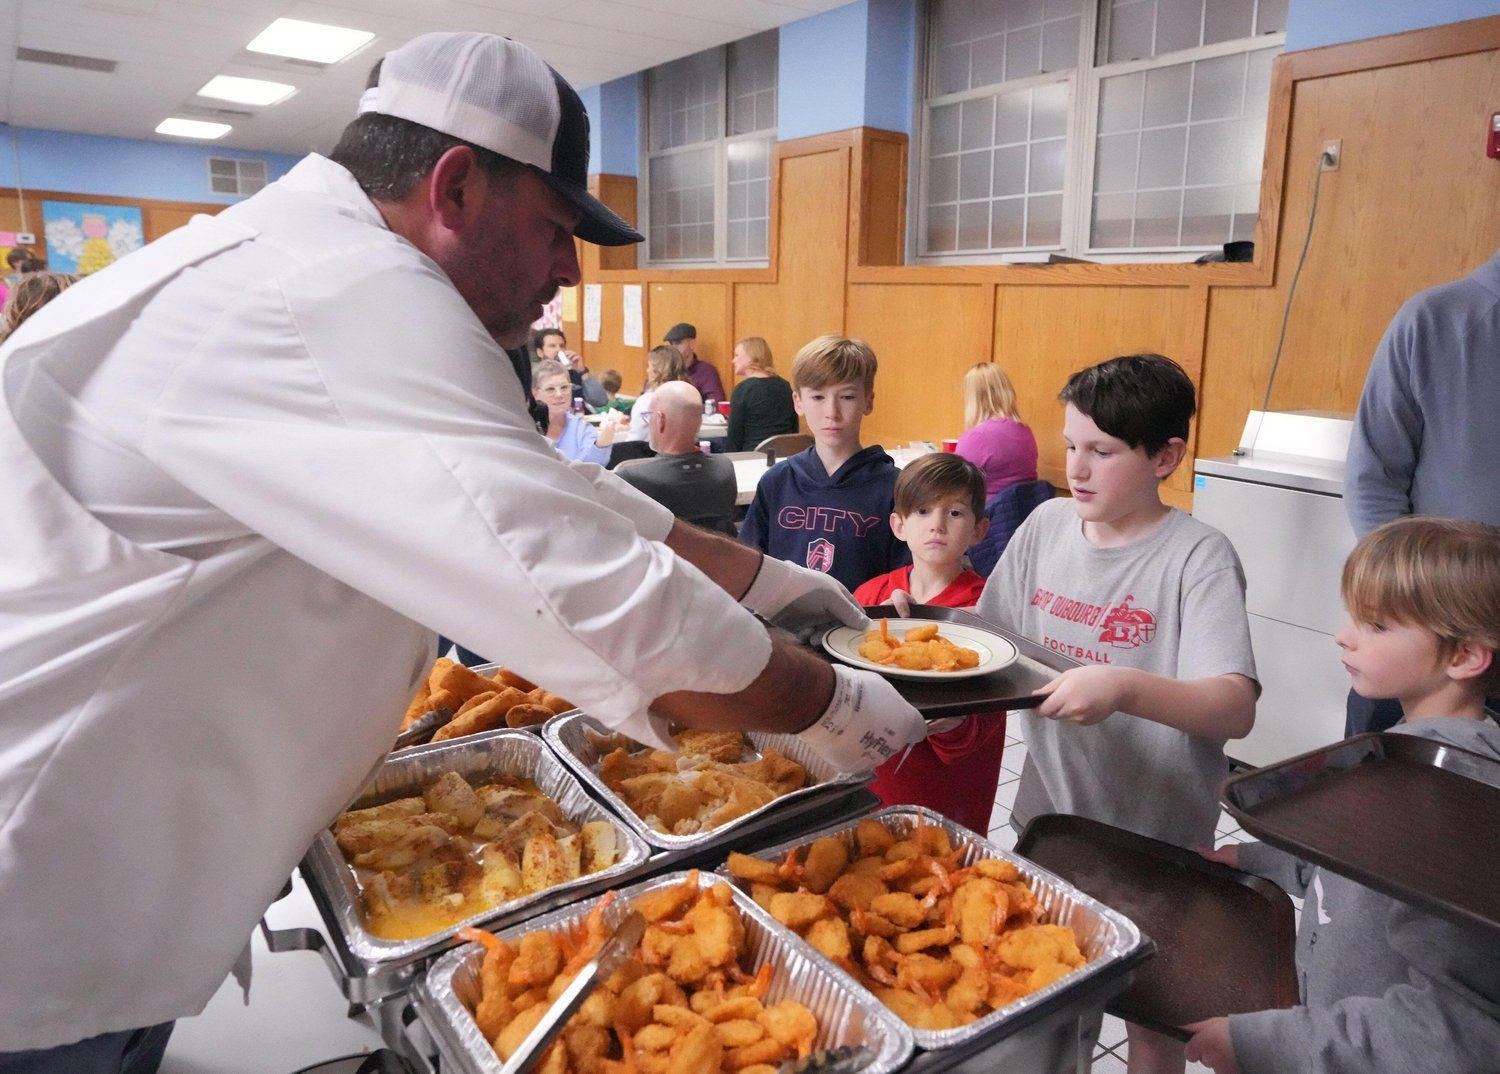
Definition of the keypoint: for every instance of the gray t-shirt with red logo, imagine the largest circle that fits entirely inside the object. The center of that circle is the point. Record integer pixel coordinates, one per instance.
(1171, 603)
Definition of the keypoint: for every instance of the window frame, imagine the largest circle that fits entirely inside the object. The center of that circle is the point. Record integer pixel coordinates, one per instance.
(720, 145)
(1084, 81)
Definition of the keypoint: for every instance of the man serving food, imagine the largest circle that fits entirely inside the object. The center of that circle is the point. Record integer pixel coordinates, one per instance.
(247, 474)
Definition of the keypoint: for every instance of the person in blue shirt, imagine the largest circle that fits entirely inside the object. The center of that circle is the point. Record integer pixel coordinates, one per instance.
(572, 436)
(829, 507)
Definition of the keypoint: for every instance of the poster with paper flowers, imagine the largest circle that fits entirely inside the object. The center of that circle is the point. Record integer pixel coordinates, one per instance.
(86, 238)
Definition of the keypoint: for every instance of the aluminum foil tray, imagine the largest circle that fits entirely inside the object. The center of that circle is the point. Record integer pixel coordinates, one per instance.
(568, 735)
(500, 752)
(846, 1015)
(1108, 939)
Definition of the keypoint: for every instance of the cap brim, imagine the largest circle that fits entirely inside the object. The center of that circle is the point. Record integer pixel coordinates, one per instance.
(598, 223)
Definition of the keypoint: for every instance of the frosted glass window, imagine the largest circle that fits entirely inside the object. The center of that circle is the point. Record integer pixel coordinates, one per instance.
(1185, 141)
(752, 84)
(1012, 149)
(682, 205)
(749, 214)
(1145, 29)
(978, 43)
(684, 100)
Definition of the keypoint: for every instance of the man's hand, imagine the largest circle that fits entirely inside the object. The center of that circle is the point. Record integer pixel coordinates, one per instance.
(865, 724)
(1085, 695)
(1211, 1046)
(799, 600)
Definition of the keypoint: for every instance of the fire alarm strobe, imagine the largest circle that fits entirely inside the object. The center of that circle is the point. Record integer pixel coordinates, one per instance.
(1492, 145)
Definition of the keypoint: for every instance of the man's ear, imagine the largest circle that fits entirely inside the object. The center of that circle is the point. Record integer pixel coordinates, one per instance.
(1170, 457)
(453, 188)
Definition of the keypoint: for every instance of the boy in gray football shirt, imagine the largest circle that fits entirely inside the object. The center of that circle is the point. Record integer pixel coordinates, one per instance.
(1149, 599)
(1152, 602)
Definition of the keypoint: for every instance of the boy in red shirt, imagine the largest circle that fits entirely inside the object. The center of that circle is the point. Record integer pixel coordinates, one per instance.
(939, 514)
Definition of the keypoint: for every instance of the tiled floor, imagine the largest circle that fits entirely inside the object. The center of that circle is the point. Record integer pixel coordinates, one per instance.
(1111, 1056)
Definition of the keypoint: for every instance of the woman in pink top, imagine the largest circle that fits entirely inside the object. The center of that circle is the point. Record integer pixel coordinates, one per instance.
(995, 438)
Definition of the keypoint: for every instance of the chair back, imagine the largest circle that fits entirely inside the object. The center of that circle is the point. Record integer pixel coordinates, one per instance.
(1006, 511)
(776, 448)
(628, 450)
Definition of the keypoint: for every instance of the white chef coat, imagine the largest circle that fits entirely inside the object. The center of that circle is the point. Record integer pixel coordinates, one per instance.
(245, 473)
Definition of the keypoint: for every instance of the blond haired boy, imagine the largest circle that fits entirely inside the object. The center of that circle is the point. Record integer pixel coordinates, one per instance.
(1386, 986)
(829, 507)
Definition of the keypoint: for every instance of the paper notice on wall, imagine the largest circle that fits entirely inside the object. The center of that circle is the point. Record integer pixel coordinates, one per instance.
(569, 304)
(635, 321)
(593, 304)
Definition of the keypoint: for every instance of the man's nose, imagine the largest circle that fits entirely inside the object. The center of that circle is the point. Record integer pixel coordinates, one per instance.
(566, 271)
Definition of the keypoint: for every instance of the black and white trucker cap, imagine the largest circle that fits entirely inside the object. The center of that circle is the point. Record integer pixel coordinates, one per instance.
(494, 93)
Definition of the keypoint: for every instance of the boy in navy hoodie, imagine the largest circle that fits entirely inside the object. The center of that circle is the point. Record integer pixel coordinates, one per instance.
(829, 508)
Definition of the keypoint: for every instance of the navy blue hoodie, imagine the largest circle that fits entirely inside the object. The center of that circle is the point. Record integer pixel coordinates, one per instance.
(840, 525)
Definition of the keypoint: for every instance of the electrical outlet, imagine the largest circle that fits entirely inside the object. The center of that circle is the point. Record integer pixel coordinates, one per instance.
(1333, 153)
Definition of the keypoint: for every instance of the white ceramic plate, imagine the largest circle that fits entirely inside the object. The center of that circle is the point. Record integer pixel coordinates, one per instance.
(994, 651)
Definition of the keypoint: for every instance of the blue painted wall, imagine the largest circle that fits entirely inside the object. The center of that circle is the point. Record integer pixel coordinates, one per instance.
(820, 83)
(620, 102)
(891, 64)
(1312, 23)
(122, 167)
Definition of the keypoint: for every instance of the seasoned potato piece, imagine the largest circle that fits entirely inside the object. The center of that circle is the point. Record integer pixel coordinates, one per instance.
(452, 794)
(401, 807)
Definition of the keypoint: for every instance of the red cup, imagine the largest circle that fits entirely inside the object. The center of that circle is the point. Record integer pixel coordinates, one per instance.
(724, 409)
(950, 446)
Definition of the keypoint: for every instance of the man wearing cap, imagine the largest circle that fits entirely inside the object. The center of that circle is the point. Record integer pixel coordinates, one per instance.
(683, 338)
(244, 480)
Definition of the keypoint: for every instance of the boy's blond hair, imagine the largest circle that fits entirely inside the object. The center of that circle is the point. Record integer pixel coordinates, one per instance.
(832, 359)
(988, 394)
(1441, 575)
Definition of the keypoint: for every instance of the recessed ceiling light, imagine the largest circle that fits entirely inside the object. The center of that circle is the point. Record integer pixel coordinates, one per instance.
(192, 128)
(246, 90)
(313, 41)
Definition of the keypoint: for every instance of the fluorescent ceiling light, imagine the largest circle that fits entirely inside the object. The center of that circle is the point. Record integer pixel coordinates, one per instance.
(246, 90)
(192, 128)
(313, 41)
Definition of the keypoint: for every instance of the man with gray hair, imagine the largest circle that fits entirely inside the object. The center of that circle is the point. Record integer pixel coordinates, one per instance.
(695, 487)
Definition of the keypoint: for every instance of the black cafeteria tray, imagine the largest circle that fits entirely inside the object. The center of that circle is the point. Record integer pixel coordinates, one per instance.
(1410, 817)
(1010, 688)
(1225, 940)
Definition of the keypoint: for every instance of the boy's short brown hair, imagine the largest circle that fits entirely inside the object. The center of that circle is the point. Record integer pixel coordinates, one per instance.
(610, 380)
(832, 359)
(1441, 575)
(938, 476)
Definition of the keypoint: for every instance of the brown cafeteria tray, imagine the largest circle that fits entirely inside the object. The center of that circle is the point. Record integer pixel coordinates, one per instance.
(1010, 688)
(1410, 817)
(1225, 940)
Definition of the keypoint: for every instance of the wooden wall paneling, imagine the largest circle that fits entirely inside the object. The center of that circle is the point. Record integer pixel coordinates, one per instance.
(1413, 204)
(619, 193)
(807, 298)
(925, 338)
(878, 219)
(1045, 334)
(708, 307)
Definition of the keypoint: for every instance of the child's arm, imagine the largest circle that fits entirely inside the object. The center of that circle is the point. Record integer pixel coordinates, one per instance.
(1288, 872)
(1219, 707)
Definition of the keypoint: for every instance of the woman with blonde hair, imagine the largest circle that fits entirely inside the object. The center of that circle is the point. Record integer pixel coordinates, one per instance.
(663, 364)
(33, 291)
(761, 404)
(995, 438)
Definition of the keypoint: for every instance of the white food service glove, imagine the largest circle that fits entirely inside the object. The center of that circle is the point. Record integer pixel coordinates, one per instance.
(798, 599)
(866, 723)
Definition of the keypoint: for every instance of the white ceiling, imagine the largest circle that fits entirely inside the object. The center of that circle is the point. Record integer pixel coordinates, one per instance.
(167, 49)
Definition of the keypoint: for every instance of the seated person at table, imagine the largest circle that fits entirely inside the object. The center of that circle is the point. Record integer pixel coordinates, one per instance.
(939, 514)
(683, 338)
(573, 437)
(995, 438)
(1386, 986)
(695, 487)
(761, 404)
(550, 344)
(663, 366)
(829, 507)
(1152, 602)
(610, 380)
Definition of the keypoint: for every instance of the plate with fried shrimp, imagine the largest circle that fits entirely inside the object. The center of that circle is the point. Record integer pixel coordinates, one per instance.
(921, 649)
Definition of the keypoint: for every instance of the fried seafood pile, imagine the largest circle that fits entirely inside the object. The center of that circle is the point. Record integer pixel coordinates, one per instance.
(425, 863)
(481, 704)
(706, 784)
(938, 944)
(683, 1004)
(922, 648)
